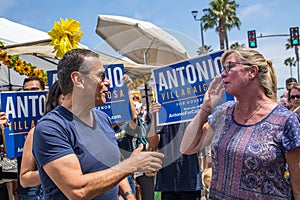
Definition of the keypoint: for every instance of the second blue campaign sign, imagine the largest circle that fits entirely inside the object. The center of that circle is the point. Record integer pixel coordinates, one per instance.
(117, 101)
(180, 87)
(118, 105)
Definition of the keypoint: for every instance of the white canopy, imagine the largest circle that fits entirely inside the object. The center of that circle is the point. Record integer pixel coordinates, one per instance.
(141, 41)
(13, 33)
(33, 46)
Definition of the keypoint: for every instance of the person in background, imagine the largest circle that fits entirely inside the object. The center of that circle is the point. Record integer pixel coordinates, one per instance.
(144, 180)
(294, 98)
(180, 177)
(74, 144)
(6, 191)
(253, 138)
(33, 83)
(125, 141)
(285, 102)
(129, 135)
(284, 98)
(29, 175)
(135, 97)
(30, 193)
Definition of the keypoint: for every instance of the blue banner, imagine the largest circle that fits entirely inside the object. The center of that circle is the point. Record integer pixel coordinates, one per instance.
(52, 77)
(117, 101)
(23, 109)
(180, 87)
(118, 105)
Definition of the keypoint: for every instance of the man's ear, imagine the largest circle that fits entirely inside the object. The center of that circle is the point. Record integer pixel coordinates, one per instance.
(77, 79)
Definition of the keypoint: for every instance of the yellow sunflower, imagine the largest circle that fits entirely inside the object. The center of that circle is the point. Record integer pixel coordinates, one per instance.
(27, 70)
(19, 65)
(3, 55)
(8, 62)
(65, 36)
(19, 68)
(38, 73)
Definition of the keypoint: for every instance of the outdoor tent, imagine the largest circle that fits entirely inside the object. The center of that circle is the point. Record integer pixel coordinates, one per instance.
(13, 33)
(33, 46)
(141, 41)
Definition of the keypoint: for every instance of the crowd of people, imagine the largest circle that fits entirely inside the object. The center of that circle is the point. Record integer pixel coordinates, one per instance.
(76, 152)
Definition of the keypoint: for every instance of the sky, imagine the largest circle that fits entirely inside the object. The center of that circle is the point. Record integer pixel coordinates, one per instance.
(271, 17)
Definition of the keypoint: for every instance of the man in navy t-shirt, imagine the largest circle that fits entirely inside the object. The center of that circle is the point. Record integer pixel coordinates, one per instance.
(74, 145)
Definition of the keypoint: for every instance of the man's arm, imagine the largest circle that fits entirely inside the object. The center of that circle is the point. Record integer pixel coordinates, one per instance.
(126, 190)
(66, 173)
(29, 175)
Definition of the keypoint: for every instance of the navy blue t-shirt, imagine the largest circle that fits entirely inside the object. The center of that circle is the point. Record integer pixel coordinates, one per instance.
(180, 172)
(60, 133)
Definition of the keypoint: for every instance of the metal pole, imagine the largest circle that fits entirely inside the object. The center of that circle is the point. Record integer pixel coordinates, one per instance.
(202, 35)
(297, 59)
(298, 70)
(147, 98)
(145, 58)
(195, 13)
(9, 81)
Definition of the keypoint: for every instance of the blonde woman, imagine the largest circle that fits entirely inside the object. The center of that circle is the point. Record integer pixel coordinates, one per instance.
(252, 139)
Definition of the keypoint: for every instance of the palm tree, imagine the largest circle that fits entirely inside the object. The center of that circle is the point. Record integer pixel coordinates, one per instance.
(236, 45)
(292, 61)
(204, 50)
(222, 16)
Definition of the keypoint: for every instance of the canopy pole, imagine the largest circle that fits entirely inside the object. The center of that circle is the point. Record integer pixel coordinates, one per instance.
(26, 44)
(146, 86)
(9, 81)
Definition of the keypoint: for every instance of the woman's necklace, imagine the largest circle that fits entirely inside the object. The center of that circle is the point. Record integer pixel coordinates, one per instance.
(250, 116)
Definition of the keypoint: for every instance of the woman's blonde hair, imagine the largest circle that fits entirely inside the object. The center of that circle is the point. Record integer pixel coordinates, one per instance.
(266, 74)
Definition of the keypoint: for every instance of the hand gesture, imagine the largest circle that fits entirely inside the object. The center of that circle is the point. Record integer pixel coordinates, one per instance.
(146, 161)
(127, 80)
(214, 93)
(3, 119)
(154, 108)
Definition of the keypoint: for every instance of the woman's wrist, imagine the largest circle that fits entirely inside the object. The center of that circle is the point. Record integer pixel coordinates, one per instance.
(205, 108)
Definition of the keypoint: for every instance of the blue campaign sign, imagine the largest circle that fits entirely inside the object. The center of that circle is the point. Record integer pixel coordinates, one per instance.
(180, 87)
(52, 77)
(117, 101)
(118, 105)
(23, 109)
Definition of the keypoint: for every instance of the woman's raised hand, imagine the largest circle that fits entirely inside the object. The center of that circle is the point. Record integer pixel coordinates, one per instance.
(214, 93)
